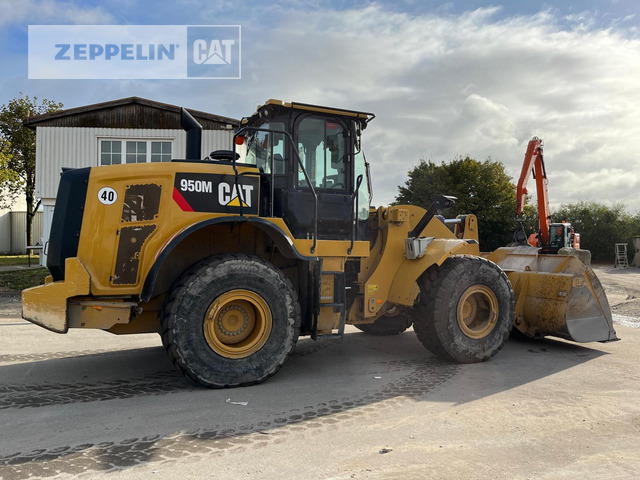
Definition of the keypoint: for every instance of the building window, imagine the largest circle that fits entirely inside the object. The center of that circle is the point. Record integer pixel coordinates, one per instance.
(113, 152)
(110, 152)
(136, 152)
(160, 151)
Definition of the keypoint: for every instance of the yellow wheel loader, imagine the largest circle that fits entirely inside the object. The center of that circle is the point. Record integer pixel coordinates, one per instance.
(232, 257)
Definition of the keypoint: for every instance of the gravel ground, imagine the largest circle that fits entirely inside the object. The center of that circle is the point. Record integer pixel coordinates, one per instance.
(9, 303)
(623, 292)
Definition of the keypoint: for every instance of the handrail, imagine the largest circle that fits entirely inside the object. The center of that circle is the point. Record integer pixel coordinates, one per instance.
(354, 213)
(440, 202)
(299, 163)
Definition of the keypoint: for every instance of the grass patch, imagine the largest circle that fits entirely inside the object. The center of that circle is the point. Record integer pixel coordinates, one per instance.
(23, 278)
(10, 260)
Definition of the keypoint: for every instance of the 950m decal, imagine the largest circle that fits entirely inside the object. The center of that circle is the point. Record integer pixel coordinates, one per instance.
(206, 192)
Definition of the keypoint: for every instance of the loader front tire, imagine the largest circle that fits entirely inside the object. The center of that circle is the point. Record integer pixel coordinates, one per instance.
(230, 320)
(465, 311)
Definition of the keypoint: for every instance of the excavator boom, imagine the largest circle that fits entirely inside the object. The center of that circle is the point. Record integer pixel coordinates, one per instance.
(534, 162)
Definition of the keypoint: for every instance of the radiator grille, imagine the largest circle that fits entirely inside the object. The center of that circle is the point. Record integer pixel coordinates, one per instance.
(141, 202)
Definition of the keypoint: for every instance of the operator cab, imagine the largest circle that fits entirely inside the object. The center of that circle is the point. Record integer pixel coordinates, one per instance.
(562, 235)
(310, 157)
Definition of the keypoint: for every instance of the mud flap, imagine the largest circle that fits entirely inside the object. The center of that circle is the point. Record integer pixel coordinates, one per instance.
(556, 295)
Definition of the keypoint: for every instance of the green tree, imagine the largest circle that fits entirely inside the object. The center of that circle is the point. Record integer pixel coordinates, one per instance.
(600, 227)
(10, 183)
(18, 152)
(482, 188)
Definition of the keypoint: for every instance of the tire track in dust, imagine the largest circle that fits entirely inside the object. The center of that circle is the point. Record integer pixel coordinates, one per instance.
(421, 379)
(39, 357)
(46, 394)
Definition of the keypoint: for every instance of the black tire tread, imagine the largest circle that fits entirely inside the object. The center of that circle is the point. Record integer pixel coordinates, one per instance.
(173, 300)
(425, 308)
(435, 286)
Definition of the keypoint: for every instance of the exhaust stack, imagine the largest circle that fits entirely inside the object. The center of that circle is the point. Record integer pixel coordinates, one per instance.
(194, 135)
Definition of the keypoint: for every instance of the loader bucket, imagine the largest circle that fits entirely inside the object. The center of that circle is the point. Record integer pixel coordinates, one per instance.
(556, 295)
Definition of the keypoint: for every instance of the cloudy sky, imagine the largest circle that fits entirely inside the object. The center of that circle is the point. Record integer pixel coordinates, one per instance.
(444, 78)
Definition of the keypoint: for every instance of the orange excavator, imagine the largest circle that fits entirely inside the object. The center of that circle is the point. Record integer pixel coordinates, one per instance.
(551, 237)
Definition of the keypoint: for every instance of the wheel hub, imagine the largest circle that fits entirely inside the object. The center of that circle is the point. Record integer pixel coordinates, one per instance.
(233, 320)
(477, 311)
(237, 323)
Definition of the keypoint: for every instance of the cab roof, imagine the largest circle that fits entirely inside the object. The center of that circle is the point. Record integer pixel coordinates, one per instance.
(363, 116)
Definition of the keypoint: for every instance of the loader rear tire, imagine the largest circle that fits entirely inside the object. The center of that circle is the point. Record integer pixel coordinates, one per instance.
(230, 320)
(465, 311)
(387, 325)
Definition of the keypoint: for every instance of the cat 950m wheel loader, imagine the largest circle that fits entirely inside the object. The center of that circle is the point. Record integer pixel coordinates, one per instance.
(233, 257)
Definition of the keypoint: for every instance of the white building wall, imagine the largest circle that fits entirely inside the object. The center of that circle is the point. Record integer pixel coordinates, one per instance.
(20, 205)
(73, 147)
(212, 140)
(19, 231)
(5, 231)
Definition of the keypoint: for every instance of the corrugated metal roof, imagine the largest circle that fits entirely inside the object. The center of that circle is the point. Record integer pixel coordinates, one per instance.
(130, 112)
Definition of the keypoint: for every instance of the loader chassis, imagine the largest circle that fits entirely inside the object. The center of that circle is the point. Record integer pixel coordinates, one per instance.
(231, 261)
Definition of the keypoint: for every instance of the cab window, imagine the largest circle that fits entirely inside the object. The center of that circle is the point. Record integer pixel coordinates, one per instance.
(267, 149)
(556, 236)
(321, 145)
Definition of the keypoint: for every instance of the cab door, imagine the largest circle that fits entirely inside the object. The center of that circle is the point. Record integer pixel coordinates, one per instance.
(324, 148)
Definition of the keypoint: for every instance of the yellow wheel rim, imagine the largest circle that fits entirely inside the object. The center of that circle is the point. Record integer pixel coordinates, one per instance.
(477, 311)
(237, 324)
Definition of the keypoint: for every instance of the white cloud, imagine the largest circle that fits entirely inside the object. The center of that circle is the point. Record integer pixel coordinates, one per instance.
(444, 85)
(441, 85)
(50, 11)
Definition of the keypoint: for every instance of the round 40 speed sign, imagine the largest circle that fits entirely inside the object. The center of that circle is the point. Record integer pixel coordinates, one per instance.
(107, 195)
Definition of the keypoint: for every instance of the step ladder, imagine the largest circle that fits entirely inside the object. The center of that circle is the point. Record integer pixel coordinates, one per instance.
(621, 256)
(333, 294)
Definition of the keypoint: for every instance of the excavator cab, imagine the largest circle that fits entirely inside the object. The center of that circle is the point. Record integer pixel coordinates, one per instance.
(560, 235)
